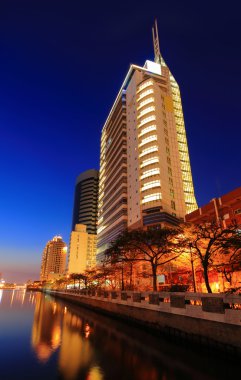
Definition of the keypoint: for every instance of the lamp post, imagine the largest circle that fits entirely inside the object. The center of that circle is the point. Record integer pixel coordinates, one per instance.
(193, 271)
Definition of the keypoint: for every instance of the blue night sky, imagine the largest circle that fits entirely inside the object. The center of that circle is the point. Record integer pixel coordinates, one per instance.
(61, 66)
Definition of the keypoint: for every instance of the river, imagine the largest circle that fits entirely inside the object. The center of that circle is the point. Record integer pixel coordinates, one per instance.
(43, 338)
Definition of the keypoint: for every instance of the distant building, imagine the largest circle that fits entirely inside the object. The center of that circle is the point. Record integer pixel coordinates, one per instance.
(145, 172)
(85, 200)
(82, 250)
(53, 259)
(222, 210)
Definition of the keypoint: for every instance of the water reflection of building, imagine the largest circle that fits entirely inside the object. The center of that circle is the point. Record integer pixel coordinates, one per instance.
(76, 353)
(46, 330)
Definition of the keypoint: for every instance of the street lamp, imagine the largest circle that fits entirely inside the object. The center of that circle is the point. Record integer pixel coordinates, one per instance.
(193, 272)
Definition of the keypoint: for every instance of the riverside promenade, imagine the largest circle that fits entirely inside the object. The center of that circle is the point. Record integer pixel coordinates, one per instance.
(212, 319)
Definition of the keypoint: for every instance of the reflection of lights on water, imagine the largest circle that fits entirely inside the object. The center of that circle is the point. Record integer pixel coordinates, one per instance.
(23, 296)
(54, 308)
(12, 297)
(95, 374)
(1, 294)
(56, 337)
(87, 330)
(65, 310)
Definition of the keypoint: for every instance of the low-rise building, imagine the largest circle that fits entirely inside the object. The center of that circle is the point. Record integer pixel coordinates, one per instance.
(223, 210)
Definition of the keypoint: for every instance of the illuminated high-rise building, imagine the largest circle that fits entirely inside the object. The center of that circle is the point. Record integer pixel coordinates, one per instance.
(53, 259)
(145, 175)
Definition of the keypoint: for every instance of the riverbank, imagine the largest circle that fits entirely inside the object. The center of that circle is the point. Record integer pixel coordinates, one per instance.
(207, 319)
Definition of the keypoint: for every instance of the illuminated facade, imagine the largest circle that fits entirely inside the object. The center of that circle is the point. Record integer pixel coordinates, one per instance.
(53, 259)
(145, 174)
(82, 250)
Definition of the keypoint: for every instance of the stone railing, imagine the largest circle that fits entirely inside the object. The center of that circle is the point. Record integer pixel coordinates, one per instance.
(214, 307)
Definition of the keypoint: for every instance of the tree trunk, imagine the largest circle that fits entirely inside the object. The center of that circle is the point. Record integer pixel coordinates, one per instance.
(206, 279)
(131, 273)
(122, 278)
(154, 278)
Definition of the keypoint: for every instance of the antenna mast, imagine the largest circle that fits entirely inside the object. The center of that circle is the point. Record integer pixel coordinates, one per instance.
(157, 52)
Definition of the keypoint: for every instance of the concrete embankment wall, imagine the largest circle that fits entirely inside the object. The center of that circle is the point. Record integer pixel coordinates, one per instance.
(206, 327)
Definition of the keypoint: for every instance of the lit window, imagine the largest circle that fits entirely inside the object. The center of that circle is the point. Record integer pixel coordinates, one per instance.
(147, 140)
(149, 161)
(145, 111)
(99, 230)
(151, 198)
(146, 101)
(144, 85)
(145, 93)
(147, 120)
(150, 185)
(150, 173)
(149, 150)
(147, 130)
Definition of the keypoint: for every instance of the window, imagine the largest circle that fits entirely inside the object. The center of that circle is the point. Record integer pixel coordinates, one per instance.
(145, 93)
(147, 130)
(148, 139)
(149, 161)
(172, 193)
(150, 173)
(149, 150)
(150, 185)
(147, 120)
(146, 101)
(145, 111)
(173, 206)
(151, 198)
(144, 85)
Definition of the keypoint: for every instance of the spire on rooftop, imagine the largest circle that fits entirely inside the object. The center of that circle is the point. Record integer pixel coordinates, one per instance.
(156, 45)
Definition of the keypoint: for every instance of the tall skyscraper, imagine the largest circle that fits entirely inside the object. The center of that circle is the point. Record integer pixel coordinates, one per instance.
(85, 200)
(53, 259)
(82, 247)
(145, 174)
